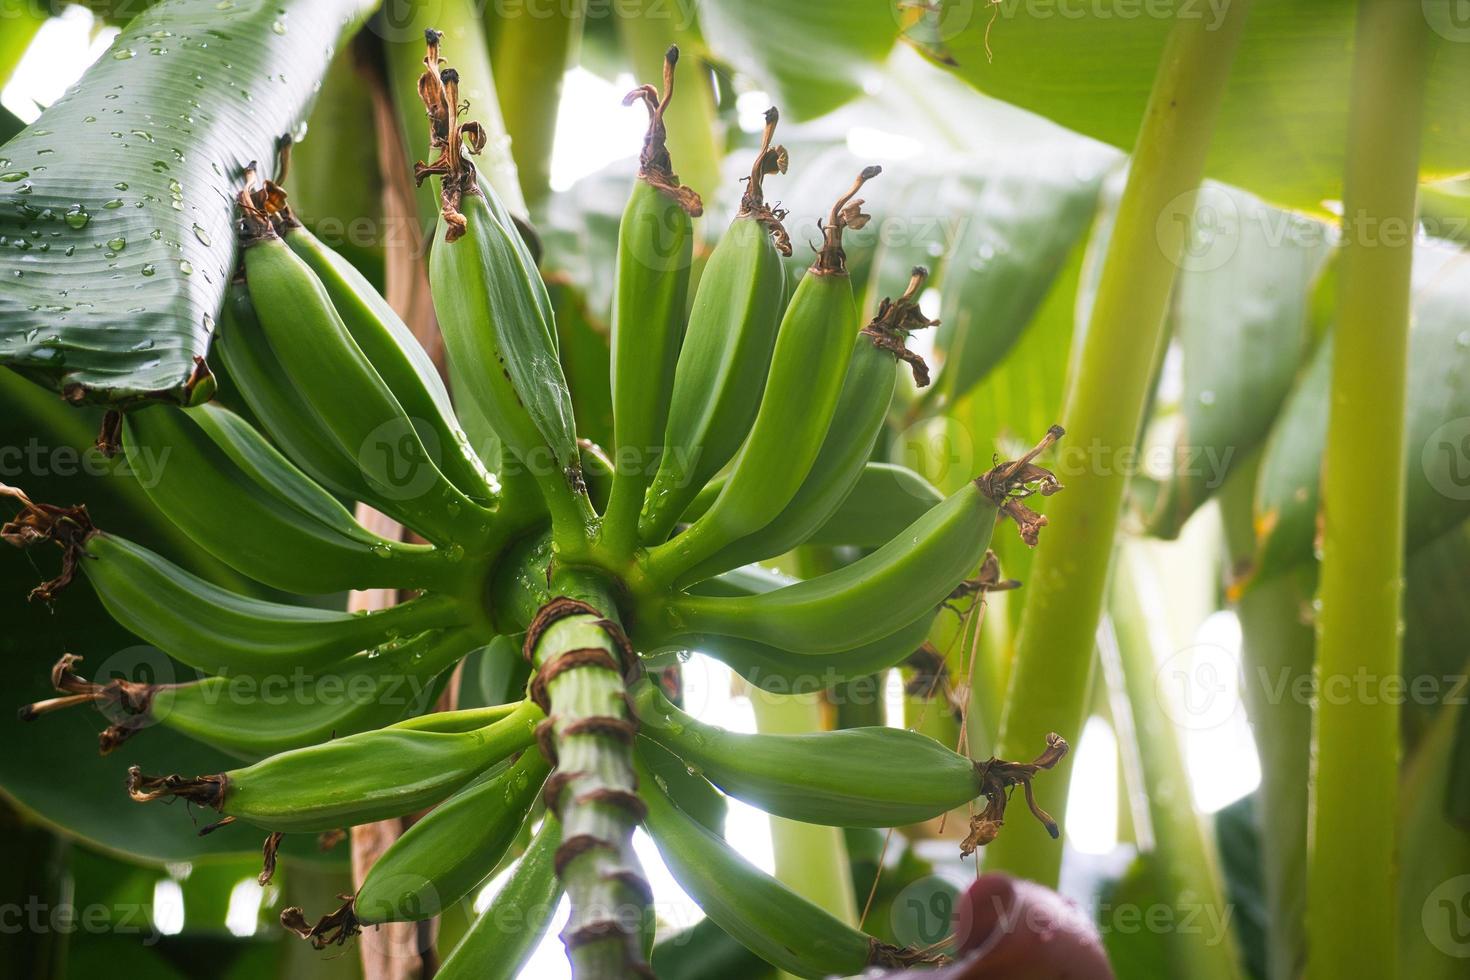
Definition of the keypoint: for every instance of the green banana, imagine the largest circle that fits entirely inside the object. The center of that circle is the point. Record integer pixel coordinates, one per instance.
(655, 254)
(217, 631)
(883, 591)
(211, 474)
(370, 776)
(764, 915)
(365, 421)
(496, 318)
(722, 366)
(862, 407)
(449, 851)
(503, 936)
(854, 777)
(252, 715)
(399, 358)
(808, 366)
(886, 499)
(284, 414)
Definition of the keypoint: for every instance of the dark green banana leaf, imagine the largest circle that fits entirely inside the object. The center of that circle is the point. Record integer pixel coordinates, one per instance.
(1438, 463)
(117, 204)
(1089, 66)
(1241, 325)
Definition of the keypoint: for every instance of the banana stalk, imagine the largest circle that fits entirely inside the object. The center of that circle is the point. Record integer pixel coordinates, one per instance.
(580, 655)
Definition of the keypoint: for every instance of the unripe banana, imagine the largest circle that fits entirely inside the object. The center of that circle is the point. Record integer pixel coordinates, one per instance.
(862, 408)
(212, 474)
(886, 499)
(503, 936)
(348, 781)
(722, 365)
(217, 631)
(853, 777)
(261, 381)
(363, 418)
(807, 371)
(252, 715)
(496, 318)
(760, 912)
(883, 591)
(399, 358)
(444, 855)
(655, 252)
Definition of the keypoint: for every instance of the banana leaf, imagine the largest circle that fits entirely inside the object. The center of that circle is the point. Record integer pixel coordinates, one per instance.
(117, 204)
(1088, 66)
(1438, 463)
(1240, 319)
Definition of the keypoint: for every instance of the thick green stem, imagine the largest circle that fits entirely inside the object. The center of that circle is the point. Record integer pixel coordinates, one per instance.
(579, 658)
(1185, 866)
(647, 28)
(1105, 403)
(1351, 921)
(533, 48)
(1277, 646)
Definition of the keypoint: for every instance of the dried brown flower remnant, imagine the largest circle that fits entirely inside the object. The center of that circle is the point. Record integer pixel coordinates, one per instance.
(1009, 483)
(997, 778)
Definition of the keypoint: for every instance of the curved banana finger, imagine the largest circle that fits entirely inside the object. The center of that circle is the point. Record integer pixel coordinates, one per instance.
(347, 781)
(854, 777)
(218, 631)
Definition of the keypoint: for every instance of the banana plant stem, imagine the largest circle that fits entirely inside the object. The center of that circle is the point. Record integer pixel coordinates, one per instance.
(1184, 862)
(579, 659)
(1276, 654)
(1351, 878)
(1049, 683)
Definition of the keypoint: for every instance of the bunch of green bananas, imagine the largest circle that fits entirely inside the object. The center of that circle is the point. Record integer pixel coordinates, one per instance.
(745, 422)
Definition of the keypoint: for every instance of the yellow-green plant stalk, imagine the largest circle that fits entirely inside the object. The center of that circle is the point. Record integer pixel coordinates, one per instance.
(1351, 874)
(1050, 681)
(1185, 864)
